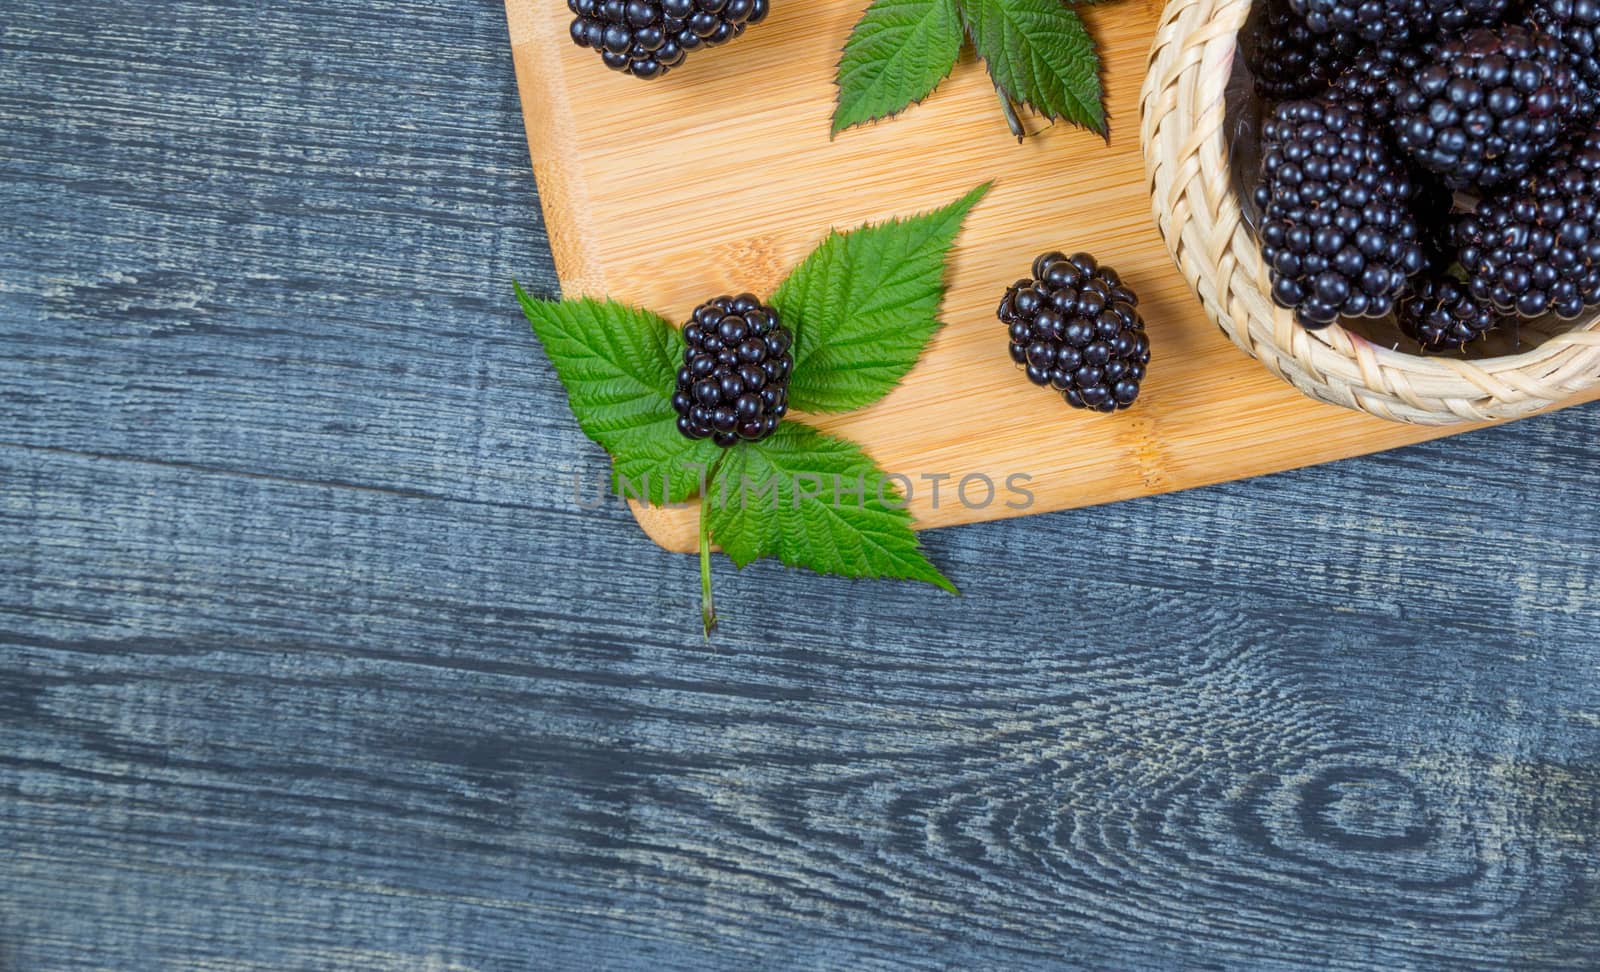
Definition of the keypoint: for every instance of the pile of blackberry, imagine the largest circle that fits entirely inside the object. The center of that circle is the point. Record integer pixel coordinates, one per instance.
(648, 38)
(1447, 174)
(1074, 327)
(734, 381)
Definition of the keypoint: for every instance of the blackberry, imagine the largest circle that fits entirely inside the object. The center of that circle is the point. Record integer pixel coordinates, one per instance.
(1441, 314)
(1286, 59)
(1074, 327)
(734, 381)
(1575, 25)
(1376, 75)
(1487, 108)
(1397, 21)
(1534, 247)
(1336, 229)
(648, 38)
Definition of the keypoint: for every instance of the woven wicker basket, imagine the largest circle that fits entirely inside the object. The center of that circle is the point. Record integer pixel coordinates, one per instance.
(1197, 206)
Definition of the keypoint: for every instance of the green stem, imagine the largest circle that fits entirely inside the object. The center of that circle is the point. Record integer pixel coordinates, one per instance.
(708, 608)
(1010, 108)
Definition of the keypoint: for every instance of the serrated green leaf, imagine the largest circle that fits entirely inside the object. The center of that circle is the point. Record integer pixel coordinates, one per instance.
(864, 304)
(898, 53)
(617, 364)
(1039, 53)
(817, 501)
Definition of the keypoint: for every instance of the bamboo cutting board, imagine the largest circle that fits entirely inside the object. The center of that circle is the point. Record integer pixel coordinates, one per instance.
(721, 176)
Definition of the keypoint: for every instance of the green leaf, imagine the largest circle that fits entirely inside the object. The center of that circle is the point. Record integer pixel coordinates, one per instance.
(617, 364)
(897, 54)
(864, 304)
(795, 496)
(1039, 52)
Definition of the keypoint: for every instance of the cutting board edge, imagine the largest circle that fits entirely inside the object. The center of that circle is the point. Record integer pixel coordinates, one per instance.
(676, 529)
(547, 122)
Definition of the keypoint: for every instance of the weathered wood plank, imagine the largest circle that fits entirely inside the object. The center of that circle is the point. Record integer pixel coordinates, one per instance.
(321, 724)
(314, 217)
(308, 658)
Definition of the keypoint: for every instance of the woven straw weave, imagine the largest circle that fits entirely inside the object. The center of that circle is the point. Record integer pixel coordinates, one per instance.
(1198, 211)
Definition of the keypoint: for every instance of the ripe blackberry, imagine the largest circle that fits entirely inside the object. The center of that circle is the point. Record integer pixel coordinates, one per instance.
(1397, 21)
(1286, 59)
(1441, 314)
(1336, 229)
(1487, 108)
(734, 381)
(1534, 247)
(1376, 75)
(1575, 25)
(1074, 327)
(648, 38)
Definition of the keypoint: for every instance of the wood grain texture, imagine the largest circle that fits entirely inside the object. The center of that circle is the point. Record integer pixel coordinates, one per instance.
(309, 659)
(736, 182)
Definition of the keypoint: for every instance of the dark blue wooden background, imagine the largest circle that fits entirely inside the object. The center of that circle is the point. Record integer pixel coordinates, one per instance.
(309, 661)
